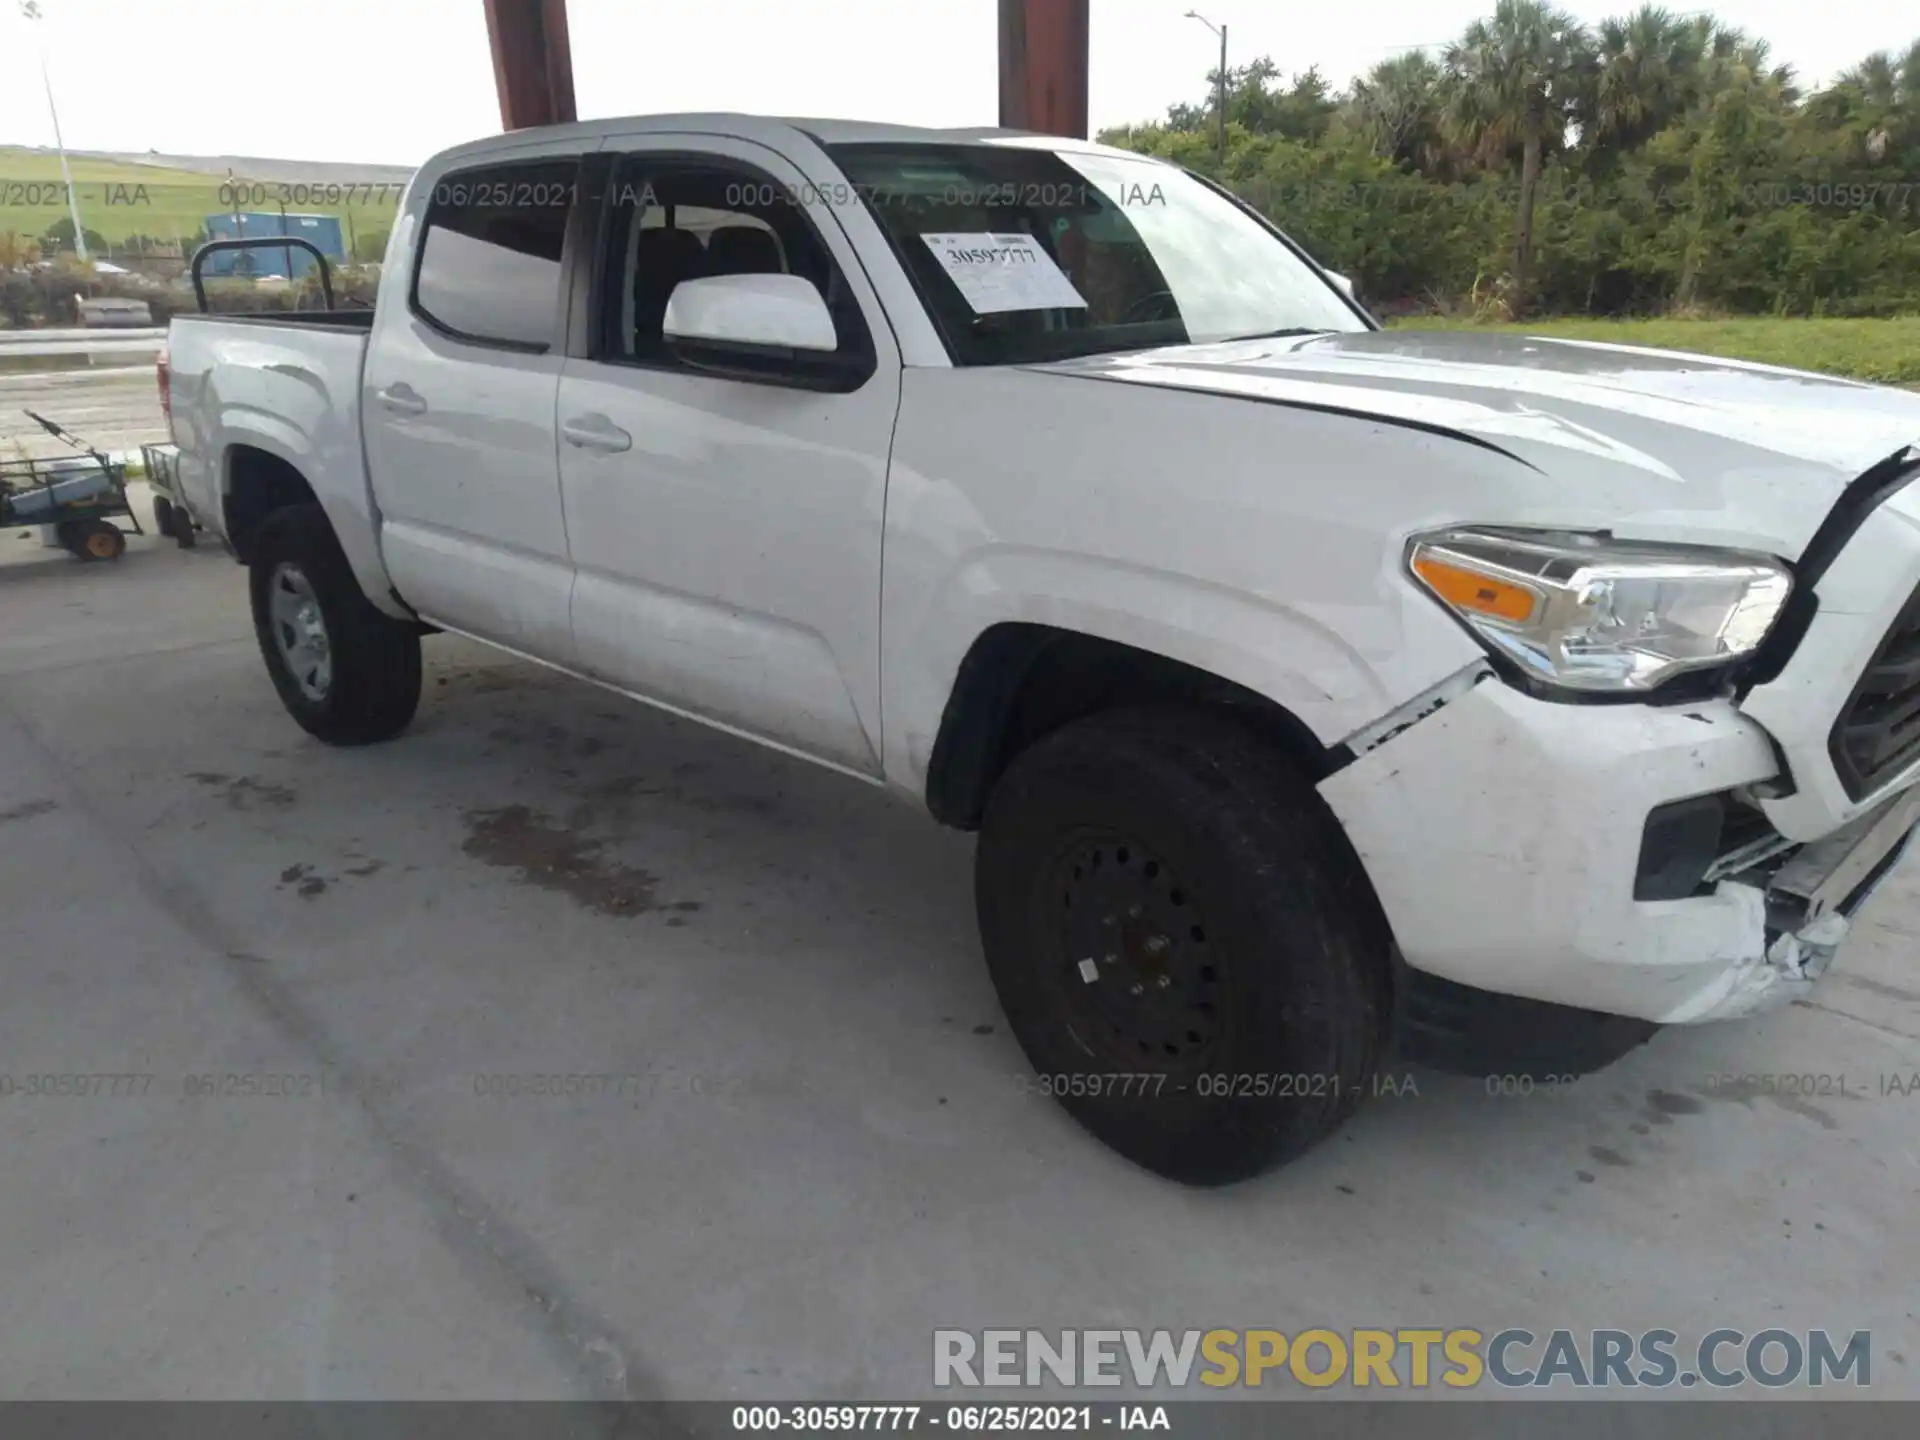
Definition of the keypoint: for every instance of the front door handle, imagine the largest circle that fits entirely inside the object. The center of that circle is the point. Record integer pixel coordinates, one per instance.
(402, 399)
(596, 432)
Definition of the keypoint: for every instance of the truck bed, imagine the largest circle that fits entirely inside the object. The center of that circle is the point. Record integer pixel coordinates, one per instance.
(280, 391)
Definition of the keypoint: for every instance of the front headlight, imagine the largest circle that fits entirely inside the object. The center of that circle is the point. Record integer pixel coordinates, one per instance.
(1590, 613)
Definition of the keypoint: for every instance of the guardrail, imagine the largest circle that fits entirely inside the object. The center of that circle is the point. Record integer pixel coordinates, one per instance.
(104, 341)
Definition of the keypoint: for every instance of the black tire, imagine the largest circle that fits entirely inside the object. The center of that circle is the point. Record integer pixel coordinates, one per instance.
(1274, 1013)
(183, 531)
(92, 540)
(372, 685)
(163, 516)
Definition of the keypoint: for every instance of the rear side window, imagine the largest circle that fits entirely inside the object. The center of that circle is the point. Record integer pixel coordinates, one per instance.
(490, 252)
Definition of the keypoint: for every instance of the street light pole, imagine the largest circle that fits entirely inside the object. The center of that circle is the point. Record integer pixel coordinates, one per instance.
(1220, 107)
(31, 9)
(1220, 91)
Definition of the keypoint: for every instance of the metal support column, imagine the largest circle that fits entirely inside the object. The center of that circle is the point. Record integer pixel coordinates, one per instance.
(1043, 66)
(532, 64)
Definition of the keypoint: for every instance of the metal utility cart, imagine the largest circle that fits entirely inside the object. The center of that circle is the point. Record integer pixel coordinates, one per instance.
(170, 514)
(74, 494)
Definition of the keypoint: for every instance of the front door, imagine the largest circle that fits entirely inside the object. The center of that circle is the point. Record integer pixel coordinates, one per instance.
(725, 529)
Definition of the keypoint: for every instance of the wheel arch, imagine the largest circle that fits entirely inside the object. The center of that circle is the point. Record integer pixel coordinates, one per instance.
(260, 475)
(1021, 681)
(257, 480)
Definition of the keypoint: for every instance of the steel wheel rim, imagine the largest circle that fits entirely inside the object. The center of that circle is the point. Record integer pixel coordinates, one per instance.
(300, 630)
(1139, 976)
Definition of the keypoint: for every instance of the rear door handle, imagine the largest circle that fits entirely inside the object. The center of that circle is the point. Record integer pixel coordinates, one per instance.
(402, 399)
(596, 432)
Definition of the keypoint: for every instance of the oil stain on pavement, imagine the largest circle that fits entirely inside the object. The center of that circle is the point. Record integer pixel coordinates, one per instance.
(543, 853)
(246, 793)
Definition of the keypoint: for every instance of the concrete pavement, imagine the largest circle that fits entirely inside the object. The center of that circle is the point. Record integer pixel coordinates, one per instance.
(813, 1146)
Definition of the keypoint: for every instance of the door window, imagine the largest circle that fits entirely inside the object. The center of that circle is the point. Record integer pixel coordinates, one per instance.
(673, 221)
(490, 252)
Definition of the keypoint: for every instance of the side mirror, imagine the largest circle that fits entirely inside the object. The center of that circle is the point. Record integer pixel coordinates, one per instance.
(757, 314)
(1345, 284)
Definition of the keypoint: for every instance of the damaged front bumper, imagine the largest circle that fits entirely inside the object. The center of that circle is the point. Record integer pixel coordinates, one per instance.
(1503, 833)
(1811, 900)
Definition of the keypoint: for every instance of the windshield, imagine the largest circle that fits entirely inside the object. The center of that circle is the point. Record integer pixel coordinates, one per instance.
(1023, 253)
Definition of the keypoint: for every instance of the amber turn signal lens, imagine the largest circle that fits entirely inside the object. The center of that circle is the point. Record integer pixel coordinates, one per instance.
(1470, 590)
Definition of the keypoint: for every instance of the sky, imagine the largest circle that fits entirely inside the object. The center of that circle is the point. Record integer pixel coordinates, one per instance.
(392, 81)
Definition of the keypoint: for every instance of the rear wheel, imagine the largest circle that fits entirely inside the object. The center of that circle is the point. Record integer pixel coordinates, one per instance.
(347, 673)
(1183, 941)
(174, 522)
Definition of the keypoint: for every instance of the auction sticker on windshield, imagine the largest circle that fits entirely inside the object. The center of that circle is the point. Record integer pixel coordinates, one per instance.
(997, 273)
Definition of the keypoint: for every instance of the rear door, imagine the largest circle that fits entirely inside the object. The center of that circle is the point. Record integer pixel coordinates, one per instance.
(726, 527)
(459, 395)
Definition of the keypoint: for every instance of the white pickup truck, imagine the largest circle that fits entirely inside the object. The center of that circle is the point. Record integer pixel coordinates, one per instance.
(1290, 669)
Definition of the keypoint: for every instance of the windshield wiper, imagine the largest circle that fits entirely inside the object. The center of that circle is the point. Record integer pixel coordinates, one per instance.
(1281, 334)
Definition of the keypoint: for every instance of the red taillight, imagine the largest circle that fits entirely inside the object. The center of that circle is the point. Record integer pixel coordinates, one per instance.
(165, 373)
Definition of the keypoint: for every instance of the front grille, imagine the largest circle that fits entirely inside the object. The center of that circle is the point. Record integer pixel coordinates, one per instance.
(1878, 733)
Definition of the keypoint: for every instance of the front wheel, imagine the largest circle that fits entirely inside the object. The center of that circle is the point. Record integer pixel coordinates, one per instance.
(1184, 943)
(347, 673)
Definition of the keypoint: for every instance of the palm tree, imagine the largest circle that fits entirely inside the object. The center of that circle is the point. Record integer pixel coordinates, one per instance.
(1732, 56)
(1646, 72)
(1516, 78)
(1399, 106)
(1883, 91)
(1877, 78)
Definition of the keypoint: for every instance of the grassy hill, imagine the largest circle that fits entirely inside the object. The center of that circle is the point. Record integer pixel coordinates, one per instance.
(120, 198)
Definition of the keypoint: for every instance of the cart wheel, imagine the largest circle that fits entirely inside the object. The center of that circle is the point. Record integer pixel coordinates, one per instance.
(164, 516)
(97, 540)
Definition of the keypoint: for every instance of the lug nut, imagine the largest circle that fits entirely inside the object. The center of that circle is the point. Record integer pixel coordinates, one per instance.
(1164, 981)
(1156, 945)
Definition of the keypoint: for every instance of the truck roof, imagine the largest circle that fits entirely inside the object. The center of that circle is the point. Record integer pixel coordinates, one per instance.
(766, 128)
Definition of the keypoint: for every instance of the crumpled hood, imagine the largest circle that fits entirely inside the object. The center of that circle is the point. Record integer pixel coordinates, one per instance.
(1545, 401)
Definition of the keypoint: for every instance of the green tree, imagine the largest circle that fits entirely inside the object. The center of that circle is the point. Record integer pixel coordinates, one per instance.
(1261, 104)
(59, 239)
(1515, 79)
(1647, 71)
(1677, 165)
(1400, 109)
(1873, 110)
(1735, 58)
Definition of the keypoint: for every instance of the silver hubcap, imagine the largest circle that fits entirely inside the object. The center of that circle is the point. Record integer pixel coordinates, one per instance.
(300, 630)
